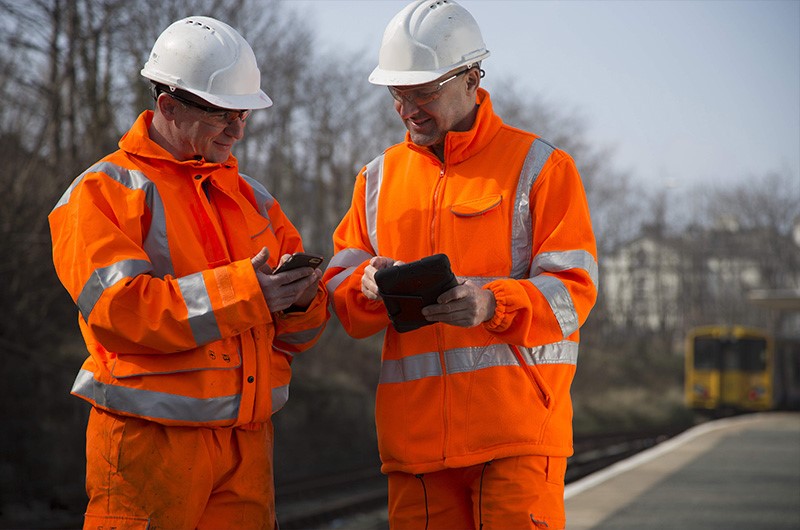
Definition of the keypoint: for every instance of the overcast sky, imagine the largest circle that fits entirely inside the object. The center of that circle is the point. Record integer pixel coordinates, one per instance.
(684, 91)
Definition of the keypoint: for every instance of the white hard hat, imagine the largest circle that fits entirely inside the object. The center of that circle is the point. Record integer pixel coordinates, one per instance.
(425, 40)
(210, 59)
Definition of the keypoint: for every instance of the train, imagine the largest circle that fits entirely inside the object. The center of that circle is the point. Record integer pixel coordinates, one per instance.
(735, 369)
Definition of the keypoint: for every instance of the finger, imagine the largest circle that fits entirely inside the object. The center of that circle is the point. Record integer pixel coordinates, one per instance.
(291, 276)
(260, 259)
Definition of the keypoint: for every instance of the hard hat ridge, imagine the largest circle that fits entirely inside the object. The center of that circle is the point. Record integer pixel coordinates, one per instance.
(425, 40)
(209, 59)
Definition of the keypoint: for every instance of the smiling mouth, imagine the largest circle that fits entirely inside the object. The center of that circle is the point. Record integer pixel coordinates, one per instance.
(418, 123)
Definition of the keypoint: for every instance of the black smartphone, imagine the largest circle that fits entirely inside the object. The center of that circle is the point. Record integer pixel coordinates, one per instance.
(299, 259)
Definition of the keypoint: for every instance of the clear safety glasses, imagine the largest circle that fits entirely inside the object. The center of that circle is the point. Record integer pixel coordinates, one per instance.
(424, 95)
(215, 114)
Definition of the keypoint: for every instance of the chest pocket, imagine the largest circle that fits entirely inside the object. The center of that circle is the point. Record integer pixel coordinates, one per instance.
(481, 236)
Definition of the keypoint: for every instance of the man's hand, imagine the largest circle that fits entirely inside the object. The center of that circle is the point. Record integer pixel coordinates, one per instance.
(465, 305)
(368, 285)
(295, 287)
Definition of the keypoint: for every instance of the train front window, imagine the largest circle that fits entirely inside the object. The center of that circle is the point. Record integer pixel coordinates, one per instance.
(752, 354)
(707, 352)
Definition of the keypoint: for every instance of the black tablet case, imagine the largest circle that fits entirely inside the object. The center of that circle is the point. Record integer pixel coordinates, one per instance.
(407, 288)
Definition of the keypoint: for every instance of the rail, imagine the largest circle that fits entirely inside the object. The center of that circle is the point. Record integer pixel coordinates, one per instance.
(315, 502)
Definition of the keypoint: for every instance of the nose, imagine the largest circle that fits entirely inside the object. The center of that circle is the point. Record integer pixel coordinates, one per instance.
(406, 108)
(235, 129)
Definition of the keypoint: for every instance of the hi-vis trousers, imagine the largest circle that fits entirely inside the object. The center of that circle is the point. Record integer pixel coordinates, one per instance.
(143, 475)
(525, 492)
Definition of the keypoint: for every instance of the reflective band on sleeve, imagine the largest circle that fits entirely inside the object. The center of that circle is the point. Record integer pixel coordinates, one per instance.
(155, 244)
(201, 315)
(522, 228)
(374, 177)
(334, 283)
(103, 278)
(349, 257)
(156, 405)
(264, 200)
(464, 360)
(299, 337)
(563, 261)
(280, 395)
(557, 295)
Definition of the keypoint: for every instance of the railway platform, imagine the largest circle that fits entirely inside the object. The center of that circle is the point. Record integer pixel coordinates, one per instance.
(740, 472)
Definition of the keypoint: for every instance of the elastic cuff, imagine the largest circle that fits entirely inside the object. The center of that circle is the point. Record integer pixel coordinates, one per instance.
(498, 321)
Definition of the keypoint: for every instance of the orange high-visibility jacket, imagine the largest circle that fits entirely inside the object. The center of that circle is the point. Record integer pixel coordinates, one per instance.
(156, 255)
(510, 212)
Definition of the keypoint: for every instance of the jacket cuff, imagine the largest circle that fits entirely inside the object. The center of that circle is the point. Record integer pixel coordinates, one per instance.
(499, 322)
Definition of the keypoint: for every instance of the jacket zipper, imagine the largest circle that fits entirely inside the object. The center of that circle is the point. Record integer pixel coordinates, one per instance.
(439, 338)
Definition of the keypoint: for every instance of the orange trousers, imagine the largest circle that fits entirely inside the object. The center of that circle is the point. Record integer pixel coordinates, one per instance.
(519, 492)
(143, 475)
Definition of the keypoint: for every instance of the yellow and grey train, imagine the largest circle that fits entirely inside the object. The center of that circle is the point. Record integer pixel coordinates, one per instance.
(732, 369)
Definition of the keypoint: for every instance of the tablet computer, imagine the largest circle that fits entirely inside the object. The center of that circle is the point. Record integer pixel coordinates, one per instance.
(409, 287)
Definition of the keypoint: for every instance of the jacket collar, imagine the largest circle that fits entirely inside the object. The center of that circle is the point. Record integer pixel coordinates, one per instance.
(459, 146)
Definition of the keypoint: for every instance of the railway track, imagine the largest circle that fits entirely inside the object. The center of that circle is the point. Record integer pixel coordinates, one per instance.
(329, 502)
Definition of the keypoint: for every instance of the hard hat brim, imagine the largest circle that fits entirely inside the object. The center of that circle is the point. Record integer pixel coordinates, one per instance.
(383, 77)
(259, 100)
(380, 76)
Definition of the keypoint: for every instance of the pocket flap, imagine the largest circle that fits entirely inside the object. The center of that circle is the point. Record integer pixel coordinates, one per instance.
(215, 356)
(116, 522)
(476, 207)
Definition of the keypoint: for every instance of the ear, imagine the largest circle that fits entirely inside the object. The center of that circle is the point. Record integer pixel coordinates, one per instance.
(166, 106)
(473, 79)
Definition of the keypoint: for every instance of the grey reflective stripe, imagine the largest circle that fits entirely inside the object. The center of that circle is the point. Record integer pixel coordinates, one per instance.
(563, 261)
(564, 352)
(333, 284)
(522, 228)
(557, 295)
(299, 337)
(156, 405)
(349, 257)
(285, 352)
(155, 244)
(374, 177)
(280, 395)
(480, 281)
(264, 200)
(463, 360)
(103, 278)
(201, 314)
(410, 368)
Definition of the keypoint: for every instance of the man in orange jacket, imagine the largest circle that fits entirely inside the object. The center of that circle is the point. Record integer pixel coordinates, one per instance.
(168, 252)
(473, 411)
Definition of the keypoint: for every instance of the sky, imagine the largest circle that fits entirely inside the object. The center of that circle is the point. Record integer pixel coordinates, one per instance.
(683, 91)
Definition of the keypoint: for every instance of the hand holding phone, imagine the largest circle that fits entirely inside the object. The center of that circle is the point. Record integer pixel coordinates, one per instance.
(297, 260)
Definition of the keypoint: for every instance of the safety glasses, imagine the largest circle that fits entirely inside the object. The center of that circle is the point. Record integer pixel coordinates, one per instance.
(216, 114)
(423, 95)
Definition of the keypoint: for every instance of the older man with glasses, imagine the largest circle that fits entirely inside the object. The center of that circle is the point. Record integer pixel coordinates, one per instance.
(168, 252)
(473, 408)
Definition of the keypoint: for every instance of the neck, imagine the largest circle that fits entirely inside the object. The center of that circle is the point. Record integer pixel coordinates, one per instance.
(159, 134)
